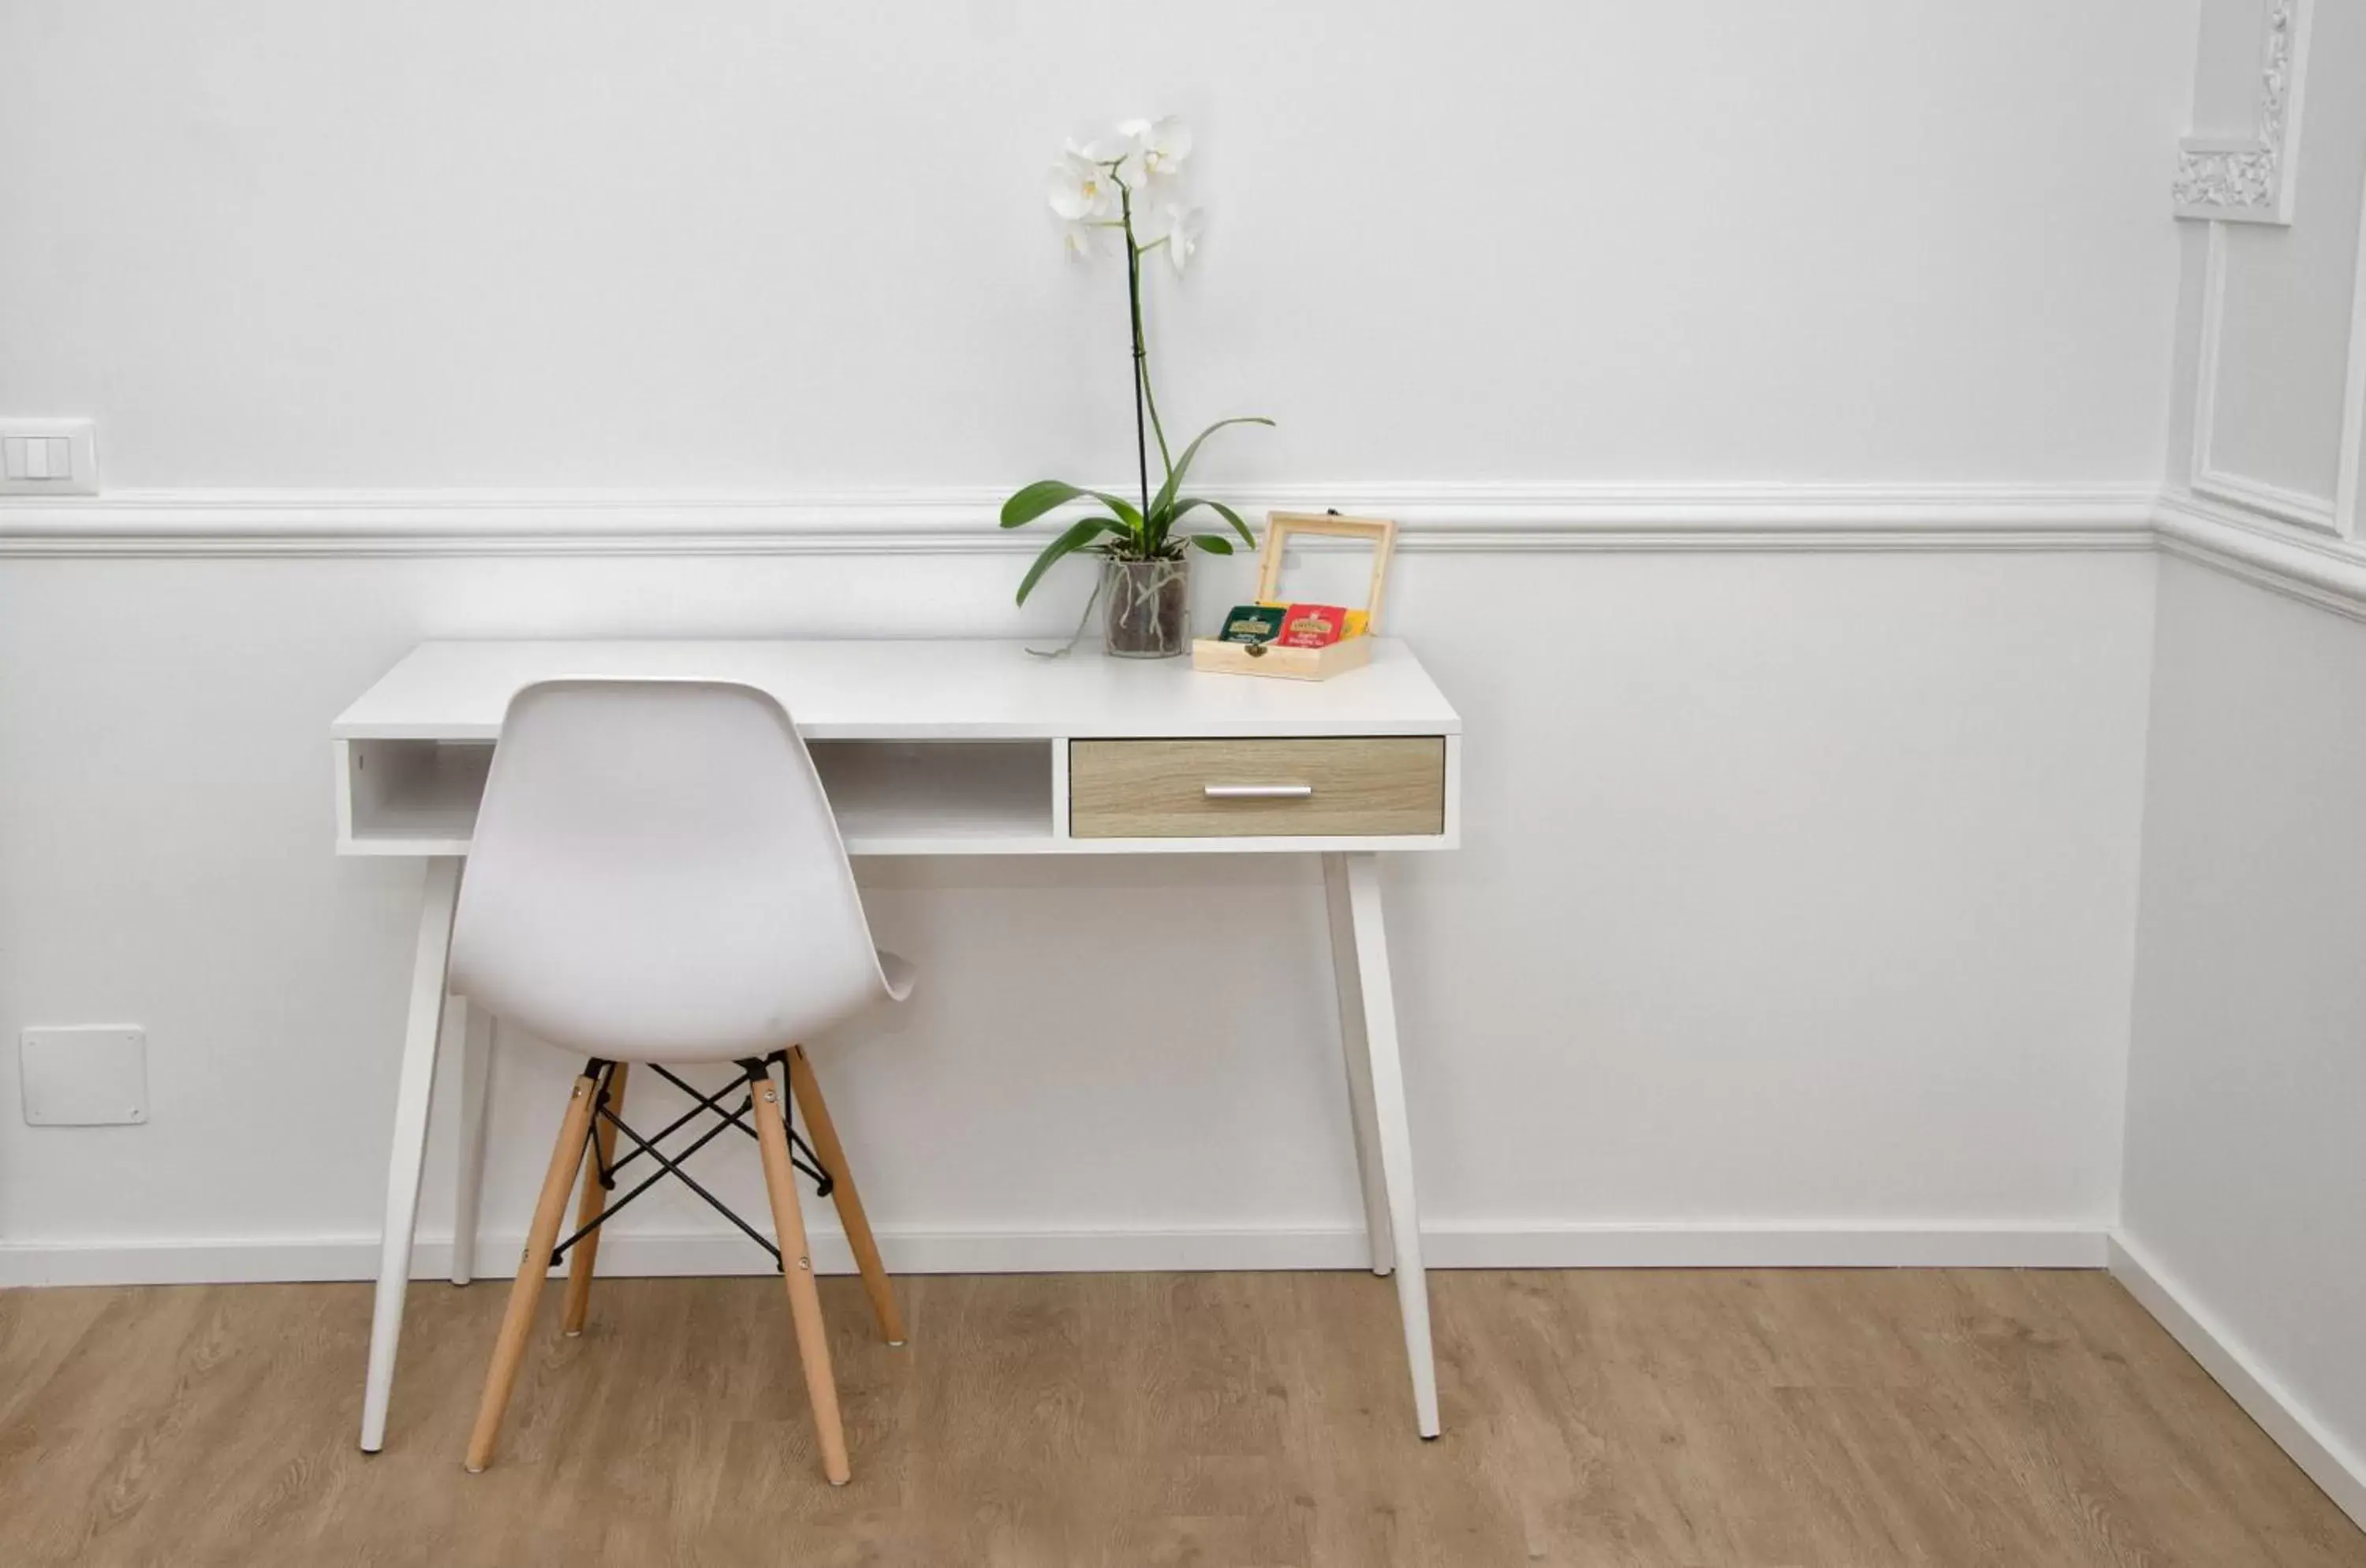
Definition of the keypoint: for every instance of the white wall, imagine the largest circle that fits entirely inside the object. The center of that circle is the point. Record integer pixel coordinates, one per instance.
(2244, 1207)
(1798, 892)
(273, 244)
(2246, 1187)
(1800, 881)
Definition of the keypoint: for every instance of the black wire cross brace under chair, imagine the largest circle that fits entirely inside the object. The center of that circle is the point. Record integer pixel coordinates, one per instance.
(607, 1124)
(587, 1138)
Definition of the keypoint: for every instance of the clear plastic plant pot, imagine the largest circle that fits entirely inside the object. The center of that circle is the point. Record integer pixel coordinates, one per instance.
(1146, 607)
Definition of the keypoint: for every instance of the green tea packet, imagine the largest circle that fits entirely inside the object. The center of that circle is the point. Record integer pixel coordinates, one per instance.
(1252, 624)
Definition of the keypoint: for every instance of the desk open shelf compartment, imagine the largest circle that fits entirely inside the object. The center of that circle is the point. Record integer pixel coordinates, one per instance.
(410, 797)
(414, 796)
(925, 797)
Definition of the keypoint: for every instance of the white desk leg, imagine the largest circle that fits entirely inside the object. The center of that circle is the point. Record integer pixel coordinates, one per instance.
(469, 1036)
(1395, 1131)
(411, 1094)
(1353, 1046)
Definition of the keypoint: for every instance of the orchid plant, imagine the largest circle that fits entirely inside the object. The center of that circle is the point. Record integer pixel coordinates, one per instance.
(1097, 191)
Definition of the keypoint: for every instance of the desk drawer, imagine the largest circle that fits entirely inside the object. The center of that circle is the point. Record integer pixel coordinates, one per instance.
(1354, 787)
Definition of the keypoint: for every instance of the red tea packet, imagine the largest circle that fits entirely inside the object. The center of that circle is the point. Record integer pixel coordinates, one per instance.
(1313, 626)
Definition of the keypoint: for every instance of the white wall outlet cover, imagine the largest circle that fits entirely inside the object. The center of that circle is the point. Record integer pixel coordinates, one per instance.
(91, 1076)
(48, 456)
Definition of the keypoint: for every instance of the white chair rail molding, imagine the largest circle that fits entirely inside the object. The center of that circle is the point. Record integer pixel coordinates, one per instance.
(1331, 784)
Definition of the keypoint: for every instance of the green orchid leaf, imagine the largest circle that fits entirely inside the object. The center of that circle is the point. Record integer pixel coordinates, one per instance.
(1228, 514)
(1026, 505)
(1045, 495)
(1124, 510)
(1214, 544)
(1077, 537)
(1122, 507)
(1166, 492)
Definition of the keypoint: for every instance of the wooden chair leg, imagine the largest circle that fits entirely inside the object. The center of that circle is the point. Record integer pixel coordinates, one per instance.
(594, 1202)
(796, 1268)
(509, 1351)
(807, 1091)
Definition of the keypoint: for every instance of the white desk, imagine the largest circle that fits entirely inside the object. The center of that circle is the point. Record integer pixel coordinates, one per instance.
(956, 749)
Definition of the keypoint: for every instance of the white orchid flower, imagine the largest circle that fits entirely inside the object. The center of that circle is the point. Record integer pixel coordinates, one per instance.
(1124, 157)
(1164, 143)
(1182, 238)
(1078, 188)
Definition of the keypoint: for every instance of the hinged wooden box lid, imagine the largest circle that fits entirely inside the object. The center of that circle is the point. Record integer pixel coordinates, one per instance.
(1305, 663)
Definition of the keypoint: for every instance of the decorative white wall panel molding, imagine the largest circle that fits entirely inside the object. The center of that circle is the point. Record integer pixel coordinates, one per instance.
(2302, 511)
(2252, 179)
(1459, 516)
(2347, 519)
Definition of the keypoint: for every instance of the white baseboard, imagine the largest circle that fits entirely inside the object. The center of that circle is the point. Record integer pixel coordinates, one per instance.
(270, 1260)
(1761, 1247)
(2338, 1470)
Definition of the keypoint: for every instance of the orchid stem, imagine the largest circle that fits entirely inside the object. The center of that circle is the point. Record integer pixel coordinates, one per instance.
(1141, 365)
(1148, 399)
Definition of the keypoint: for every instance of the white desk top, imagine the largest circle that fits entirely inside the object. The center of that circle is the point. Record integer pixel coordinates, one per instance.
(914, 690)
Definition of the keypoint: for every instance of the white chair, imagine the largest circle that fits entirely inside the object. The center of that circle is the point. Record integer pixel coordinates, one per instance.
(656, 877)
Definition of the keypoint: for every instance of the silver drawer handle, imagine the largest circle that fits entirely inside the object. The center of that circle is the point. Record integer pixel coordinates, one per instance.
(1257, 791)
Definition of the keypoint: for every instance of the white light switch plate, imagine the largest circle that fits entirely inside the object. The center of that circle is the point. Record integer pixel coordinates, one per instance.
(48, 456)
(92, 1075)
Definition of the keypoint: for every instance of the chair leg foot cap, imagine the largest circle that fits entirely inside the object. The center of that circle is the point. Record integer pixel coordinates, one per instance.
(474, 1469)
(894, 1344)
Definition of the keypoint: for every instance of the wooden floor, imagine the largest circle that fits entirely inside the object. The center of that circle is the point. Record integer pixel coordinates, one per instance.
(1596, 1417)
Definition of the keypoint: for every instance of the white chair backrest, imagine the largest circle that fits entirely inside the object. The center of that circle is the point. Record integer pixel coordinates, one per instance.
(655, 876)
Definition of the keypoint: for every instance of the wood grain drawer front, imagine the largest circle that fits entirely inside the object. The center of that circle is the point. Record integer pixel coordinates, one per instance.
(1361, 787)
